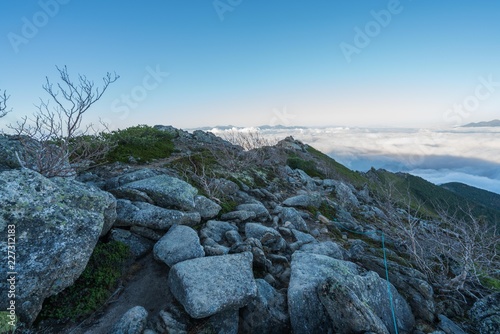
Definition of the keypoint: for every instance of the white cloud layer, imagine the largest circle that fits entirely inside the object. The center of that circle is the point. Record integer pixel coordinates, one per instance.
(467, 155)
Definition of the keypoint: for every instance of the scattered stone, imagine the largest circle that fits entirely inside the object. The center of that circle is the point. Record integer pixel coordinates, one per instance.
(327, 248)
(302, 239)
(171, 324)
(206, 207)
(239, 216)
(269, 237)
(209, 285)
(233, 237)
(486, 314)
(259, 209)
(138, 245)
(304, 201)
(449, 327)
(346, 196)
(132, 322)
(240, 248)
(267, 313)
(293, 216)
(179, 244)
(226, 322)
(216, 230)
(146, 233)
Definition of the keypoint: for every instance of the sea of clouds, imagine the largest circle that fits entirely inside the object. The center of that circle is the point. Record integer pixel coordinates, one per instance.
(467, 155)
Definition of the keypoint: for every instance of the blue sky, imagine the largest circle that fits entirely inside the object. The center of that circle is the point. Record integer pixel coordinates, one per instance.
(247, 63)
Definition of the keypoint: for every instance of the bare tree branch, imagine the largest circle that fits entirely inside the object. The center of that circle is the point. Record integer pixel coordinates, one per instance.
(3, 103)
(53, 139)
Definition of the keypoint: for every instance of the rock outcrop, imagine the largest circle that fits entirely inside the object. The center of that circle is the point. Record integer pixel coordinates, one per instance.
(321, 286)
(57, 223)
(210, 285)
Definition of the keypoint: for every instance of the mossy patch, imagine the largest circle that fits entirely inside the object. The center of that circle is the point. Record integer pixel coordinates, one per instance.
(6, 323)
(490, 282)
(227, 206)
(307, 166)
(93, 287)
(142, 143)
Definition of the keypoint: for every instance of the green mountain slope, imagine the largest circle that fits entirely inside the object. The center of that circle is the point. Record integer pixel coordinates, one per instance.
(435, 198)
(481, 197)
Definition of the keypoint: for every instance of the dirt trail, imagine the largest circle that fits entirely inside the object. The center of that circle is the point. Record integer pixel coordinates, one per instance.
(146, 287)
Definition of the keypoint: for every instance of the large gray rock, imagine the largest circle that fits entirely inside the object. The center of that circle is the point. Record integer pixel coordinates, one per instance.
(209, 285)
(152, 216)
(179, 244)
(73, 191)
(165, 191)
(132, 322)
(328, 248)
(304, 201)
(410, 282)
(206, 207)
(57, 225)
(486, 314)
(348, 313)
(239, 216)
(137, 175)
(346, 196)
(293, 216)
(311, 314)
(261, 213)
(267, 313)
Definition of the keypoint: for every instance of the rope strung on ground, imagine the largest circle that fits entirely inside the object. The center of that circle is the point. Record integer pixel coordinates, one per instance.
(386, 266)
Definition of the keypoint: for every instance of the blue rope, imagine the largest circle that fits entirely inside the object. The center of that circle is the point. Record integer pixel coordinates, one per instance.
(389, 285)
(386, 266)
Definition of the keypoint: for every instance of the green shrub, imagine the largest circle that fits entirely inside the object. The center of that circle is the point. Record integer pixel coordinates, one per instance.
(307, 166)
(143, 143)
(93, 287)
(227, 206)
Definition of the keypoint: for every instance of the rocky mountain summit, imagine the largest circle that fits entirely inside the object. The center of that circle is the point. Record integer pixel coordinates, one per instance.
(222, 239)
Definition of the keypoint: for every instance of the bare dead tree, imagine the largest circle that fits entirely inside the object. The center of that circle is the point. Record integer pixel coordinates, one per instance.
(466, 249)
(251, 142)
(53, 139)
(248, 140)
(404, 214)
(456, 251)
(3, 103)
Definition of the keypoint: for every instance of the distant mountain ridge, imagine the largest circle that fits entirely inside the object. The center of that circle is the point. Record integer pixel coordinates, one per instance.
(493, 123)
(479, 196)
(260, 127)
